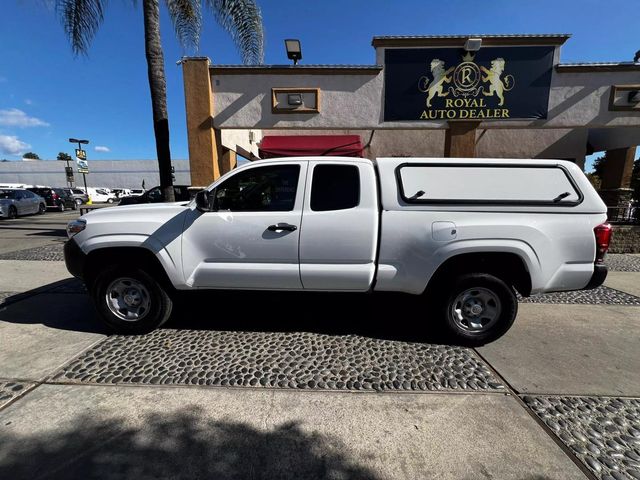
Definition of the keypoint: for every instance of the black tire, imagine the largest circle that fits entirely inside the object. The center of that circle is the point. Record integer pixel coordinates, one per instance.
(491, 294)
(61, 207)
(42, 209)
(13, 212)
(74, 206)
(160, 304)
(109, 200)
(78, 202)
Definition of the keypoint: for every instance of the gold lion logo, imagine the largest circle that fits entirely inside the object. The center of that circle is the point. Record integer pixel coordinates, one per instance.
(436, 86)
(497, 86)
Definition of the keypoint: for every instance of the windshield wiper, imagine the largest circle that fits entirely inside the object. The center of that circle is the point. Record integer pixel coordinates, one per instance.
(561, 196)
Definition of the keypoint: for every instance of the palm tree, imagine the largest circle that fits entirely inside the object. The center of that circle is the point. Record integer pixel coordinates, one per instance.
(240, 18)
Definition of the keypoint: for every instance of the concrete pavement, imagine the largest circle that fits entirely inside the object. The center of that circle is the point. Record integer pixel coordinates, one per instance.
(148, 433)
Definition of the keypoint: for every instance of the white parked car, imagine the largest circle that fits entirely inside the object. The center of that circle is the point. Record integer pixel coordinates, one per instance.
(101, 195)
(467, 233)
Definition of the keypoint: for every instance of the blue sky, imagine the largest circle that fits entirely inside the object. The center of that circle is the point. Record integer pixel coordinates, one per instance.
(47, 95)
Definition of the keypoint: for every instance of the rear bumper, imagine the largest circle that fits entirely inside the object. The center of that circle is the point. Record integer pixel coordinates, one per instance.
(74, 258)
(598, 277)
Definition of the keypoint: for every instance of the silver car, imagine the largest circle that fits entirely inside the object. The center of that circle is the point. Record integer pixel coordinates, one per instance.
(16, 201)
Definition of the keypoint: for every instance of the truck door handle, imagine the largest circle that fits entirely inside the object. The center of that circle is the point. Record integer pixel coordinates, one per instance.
(282, 226)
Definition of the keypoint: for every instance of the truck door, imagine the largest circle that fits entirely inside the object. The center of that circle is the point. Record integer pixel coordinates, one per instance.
(251, 239)
(338, 239)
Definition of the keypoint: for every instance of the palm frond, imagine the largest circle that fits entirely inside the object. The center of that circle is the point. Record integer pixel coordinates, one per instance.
(81, 20)
(186, 16)
(243, 21)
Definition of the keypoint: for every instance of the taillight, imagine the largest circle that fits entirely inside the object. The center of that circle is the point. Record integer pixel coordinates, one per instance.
(55, 196)
(603, 238)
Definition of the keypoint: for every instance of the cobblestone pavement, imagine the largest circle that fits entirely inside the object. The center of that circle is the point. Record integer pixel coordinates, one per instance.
(598, 296)
(49, 253)
(284, 360)
(10, 390)
(620, 262)
(604, 433)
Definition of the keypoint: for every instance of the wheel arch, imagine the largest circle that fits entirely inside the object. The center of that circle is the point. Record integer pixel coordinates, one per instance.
(508, 266)
(133, 256)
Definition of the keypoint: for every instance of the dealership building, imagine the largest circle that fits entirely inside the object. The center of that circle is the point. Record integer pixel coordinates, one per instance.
(504, 96)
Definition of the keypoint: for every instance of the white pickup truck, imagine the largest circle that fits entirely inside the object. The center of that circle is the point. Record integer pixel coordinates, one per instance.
(472, 231)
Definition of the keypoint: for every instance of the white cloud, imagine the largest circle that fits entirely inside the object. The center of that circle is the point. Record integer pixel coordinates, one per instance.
(10, 145)
(14, 117)
(101, 148)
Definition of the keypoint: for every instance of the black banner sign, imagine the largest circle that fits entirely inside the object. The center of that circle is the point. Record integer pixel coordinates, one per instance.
(451, 84)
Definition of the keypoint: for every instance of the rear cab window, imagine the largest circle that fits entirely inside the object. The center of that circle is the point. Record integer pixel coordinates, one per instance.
(487, 184)
(335, 187)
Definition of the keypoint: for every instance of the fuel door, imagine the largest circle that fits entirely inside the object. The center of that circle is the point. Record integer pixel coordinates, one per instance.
(444, 231)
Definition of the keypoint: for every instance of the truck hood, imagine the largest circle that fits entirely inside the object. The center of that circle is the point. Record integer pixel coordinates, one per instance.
(141, 221)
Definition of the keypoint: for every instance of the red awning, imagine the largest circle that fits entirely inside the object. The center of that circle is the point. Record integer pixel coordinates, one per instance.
(311, 145)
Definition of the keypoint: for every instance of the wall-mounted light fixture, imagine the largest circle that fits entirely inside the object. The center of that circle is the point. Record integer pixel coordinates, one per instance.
(294, 99)
(473, 44)
(294, 50)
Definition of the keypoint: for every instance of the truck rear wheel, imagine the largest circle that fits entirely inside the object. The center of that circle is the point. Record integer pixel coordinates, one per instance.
(130, 301)
(478, 308)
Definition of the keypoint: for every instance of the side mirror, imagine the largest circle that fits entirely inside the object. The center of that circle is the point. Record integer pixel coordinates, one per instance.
(204, 200)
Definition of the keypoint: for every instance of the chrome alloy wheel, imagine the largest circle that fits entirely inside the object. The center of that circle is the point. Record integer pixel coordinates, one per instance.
(475, 309)
(128, 299)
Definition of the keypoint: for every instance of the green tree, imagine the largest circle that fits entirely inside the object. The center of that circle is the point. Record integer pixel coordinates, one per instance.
(64, 156)
(31, 155)
(240, 18)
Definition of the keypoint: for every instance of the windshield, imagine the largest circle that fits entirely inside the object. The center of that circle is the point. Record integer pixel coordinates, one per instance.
(7, 194)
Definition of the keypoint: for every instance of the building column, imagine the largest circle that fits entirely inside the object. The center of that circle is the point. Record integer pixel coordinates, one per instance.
(616, 177)
(460, 139)
(205, 149)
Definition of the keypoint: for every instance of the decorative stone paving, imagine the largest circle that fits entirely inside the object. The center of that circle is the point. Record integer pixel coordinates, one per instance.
(598, 296)
(48, 253)
(9, 390)
(285, 360)
(620, 262)
(603, 432)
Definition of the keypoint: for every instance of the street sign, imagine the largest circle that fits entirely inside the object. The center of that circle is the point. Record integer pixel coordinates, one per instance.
(81, 154)
(69, 172)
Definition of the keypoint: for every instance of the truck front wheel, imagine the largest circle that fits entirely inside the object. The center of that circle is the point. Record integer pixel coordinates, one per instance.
(130, 301)
(478, 308)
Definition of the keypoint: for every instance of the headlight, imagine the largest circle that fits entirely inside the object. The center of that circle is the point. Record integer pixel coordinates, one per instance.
(75, 226)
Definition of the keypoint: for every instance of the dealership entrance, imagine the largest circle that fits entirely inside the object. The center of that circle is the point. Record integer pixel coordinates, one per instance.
(502, 96)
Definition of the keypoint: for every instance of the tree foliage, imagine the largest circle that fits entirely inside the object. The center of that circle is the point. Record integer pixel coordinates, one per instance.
(64, 156)
(31, 155)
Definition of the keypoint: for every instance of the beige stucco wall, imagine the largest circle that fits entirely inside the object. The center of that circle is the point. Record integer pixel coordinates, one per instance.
(576, 100)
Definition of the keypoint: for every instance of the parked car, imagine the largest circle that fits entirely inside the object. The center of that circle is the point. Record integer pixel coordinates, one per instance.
(101, 195)
(18, 201)
(155, 195)
(121, 192)
(57, 198)
(79, 195)
(467, 234)
(136, 191)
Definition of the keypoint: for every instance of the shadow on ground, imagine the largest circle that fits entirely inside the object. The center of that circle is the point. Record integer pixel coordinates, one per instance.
(179, 446)
(65, 305)
(386, 316)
